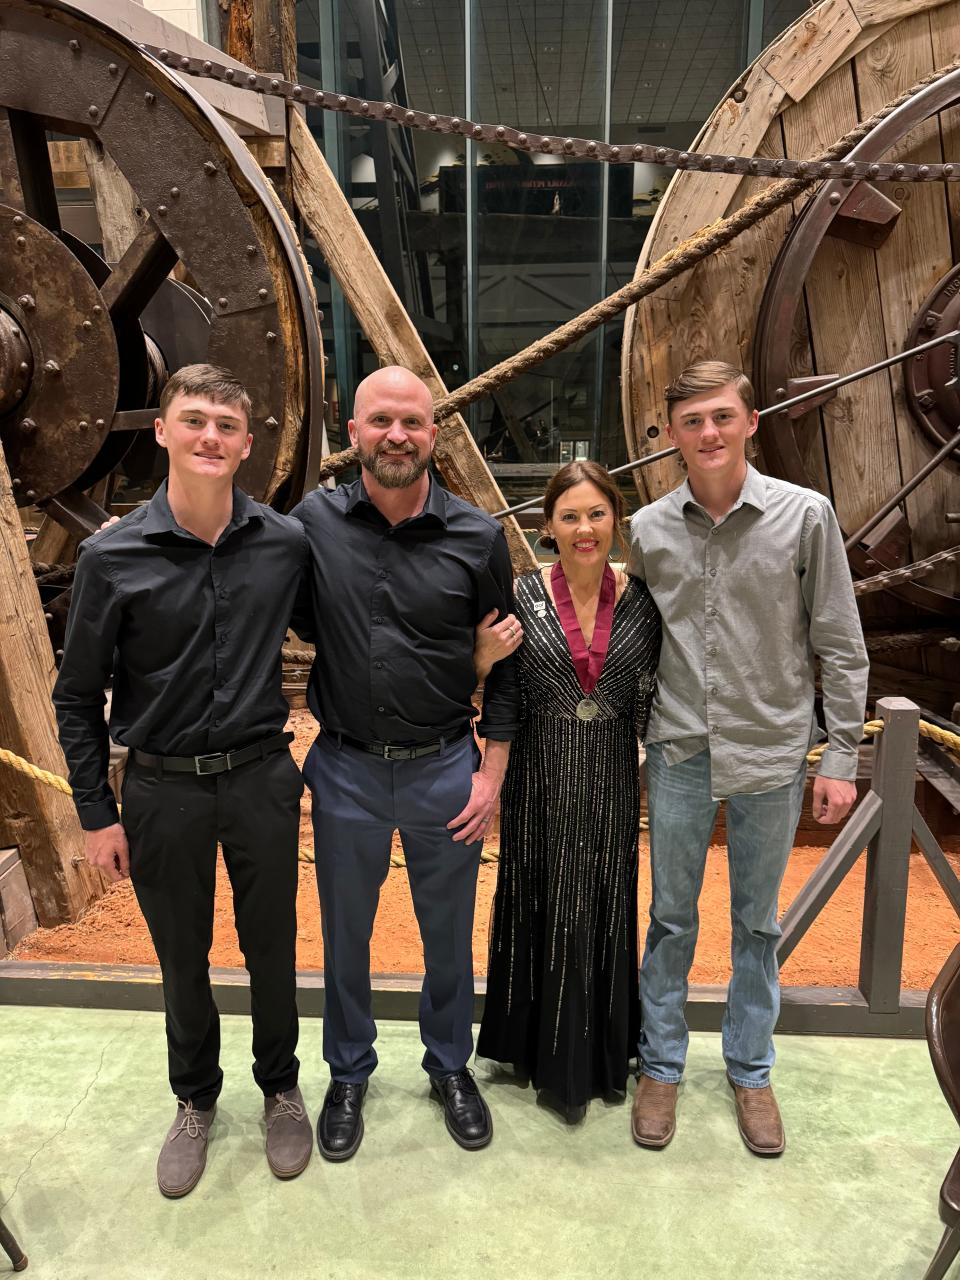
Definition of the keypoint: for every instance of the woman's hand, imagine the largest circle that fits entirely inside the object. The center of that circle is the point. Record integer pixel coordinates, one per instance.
(495, 641)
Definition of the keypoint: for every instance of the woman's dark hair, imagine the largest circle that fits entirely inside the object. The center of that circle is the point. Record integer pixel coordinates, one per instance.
(576, 473)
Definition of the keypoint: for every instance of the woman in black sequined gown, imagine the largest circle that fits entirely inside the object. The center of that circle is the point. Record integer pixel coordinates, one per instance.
(562, 1003)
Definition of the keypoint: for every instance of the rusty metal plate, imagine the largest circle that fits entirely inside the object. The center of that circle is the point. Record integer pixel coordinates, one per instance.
(930, 379)
(56, 429)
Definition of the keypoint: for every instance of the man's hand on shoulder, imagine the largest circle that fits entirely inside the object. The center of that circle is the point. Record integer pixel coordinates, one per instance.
(832, 799)
(108, 851)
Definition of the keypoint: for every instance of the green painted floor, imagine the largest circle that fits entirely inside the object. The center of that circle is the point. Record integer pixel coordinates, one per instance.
(84, 1108)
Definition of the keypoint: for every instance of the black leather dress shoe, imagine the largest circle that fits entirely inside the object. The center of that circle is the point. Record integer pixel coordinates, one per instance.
(340, 1127)
(468, 1118)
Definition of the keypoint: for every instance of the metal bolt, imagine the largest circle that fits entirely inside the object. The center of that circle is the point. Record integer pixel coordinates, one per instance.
(931, 320)
(410, 117)
(432, 122)
(342, 102)
(16, 482)
(251, 79)
(521, 137)
(592, 148)
(615, 153)
(74, 46)
(926, 400)
(320, 316)
(209, 167)
(93, 111)
(28, 425)
(149, 99)
(388, 109)
(707, 162)
(229, 73)
(739, 95)
(923, 171)
(271, 423)
(873, 170)
(51, 366)
(898, 171)
(501, 132)
(97, 309)
(455, 123)
(112, 68)
(163, 55)
(780, 392)
(850, 168)
(297, 90)
(162, 210)
(661, 154)
(18, 220)
(948, 170)
(208, 67)
(683, 159)
(59, 653)
(175, 192)
(48, 617)
(221, 302)
(271, 336)
(320, 96)
(21, 242)
(99, 424)
(261, 293)
(835, 197)
(802, 167)
(26, 301)
(31, 494)
(754, 166)
(568, 144)
(24, 367)
(83, 424)
(478, 131)
(251, 250)
(184, 64)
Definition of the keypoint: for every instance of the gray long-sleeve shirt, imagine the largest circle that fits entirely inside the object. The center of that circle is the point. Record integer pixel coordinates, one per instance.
(747, 603)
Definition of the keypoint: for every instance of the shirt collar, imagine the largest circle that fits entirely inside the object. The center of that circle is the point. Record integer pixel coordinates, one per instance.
(753, 493)
(160, 519)
(435, 505)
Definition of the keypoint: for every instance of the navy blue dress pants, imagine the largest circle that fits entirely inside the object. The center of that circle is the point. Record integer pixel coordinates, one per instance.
(359, 800)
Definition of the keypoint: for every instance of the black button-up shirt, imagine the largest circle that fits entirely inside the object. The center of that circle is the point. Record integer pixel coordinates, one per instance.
(191, 634)
(394, 612)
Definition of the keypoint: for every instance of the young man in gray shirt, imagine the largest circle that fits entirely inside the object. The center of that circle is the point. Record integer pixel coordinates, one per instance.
(751, 579)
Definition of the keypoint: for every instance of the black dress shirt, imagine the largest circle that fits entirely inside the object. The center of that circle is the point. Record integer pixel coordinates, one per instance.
(393, 617)
(191, 634)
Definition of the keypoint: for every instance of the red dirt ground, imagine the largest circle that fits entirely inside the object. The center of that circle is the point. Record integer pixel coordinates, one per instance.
(113, 931)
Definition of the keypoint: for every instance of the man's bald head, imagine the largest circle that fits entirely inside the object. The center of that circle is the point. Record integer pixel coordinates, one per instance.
(392, 426)
(392, 380)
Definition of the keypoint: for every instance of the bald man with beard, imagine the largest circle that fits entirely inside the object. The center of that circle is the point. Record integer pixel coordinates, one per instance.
(402, 573)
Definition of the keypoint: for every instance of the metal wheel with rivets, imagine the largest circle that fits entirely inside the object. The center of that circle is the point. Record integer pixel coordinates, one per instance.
(854, 274)
(85, 347)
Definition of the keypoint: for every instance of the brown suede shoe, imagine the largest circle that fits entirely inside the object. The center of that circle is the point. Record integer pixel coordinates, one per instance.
(653, 1121)
(758, 1119)
(289, 1133)
(183, 1155)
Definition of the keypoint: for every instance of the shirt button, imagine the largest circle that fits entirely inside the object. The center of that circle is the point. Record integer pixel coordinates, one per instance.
(714, 691)
(378, 665)
(712, 652)
(713, 573)
(716, 729)
(381, 573)
(378, 620)
(216, 724)
(381, 708)
(221, 639)
(713, 613)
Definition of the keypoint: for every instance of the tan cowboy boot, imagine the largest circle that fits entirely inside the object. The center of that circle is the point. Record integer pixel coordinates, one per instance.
(653, 1121)
(758, 1119)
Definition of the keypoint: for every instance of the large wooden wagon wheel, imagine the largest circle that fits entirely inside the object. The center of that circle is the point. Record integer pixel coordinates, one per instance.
(85, 346)
(852, 275)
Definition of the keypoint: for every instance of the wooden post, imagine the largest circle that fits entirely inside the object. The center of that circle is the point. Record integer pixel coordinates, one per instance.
(115, 200)
(263, 34)
(888, 856)
(38, 820)
(386, 324)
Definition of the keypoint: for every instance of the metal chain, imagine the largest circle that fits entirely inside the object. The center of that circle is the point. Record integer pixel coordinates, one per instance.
(546, 144)
(909, 573)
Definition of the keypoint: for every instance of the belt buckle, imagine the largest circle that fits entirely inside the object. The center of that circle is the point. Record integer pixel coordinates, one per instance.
(200, 761)
(388, 752)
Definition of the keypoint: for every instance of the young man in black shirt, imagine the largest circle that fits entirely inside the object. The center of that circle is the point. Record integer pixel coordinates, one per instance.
(402, 572)
(185, 603)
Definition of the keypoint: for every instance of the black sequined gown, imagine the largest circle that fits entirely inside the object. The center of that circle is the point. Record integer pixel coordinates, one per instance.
(562, 1001)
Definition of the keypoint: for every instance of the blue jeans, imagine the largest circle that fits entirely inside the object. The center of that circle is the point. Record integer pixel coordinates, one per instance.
(760, 833)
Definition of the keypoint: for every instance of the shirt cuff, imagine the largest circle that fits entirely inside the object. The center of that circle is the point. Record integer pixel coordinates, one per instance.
(838, 764)
(495, 734)
(102, 813)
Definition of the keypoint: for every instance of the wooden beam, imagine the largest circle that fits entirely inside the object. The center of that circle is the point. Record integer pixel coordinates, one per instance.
(40, 821)
(118, 210)
(386, 324)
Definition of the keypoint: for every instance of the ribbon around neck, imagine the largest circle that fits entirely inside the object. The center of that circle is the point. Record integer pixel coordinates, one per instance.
(587, 662)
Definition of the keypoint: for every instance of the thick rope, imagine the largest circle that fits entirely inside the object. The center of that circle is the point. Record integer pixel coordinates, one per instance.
(683, 258)
(891, 641)
(909, 573)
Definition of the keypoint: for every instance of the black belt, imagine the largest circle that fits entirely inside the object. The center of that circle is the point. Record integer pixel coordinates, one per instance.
(216, 763)
(388, 752)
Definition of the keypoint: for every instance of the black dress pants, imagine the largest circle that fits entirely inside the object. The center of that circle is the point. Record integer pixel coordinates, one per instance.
(173, 823)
